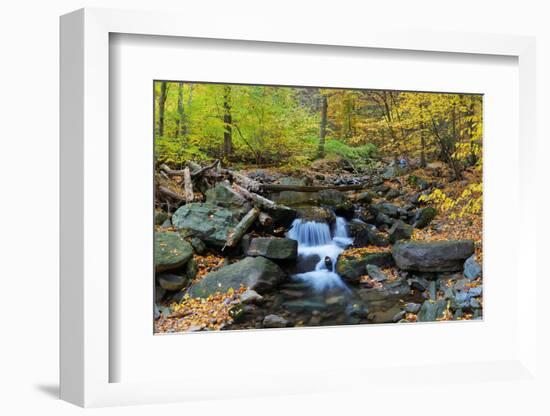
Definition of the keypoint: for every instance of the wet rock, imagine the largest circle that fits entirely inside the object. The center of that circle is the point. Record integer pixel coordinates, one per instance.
(273, 248)
(400, 231)
(171, 251)
(210, 223)
(437, 256)
(274, 321)
(305, 305)
(357, 310)
(350, 270)
(222, 195)
(256, 273)
(431, 310)
(318, 214)
(375, 273)
(345, 209)
(423, 217)
(472, 269)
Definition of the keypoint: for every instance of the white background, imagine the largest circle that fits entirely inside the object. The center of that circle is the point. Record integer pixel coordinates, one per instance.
(29, 163)
(322, 349)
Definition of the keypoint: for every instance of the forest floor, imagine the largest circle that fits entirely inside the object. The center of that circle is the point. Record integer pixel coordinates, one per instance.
(217, 310)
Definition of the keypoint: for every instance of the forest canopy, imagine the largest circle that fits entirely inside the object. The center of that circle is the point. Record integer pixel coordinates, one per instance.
(293, 126)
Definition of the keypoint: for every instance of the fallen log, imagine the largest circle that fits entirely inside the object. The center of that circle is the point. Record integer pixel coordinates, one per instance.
(197, 173)
(241, 228)
(256, 199)
(188, 185)
(297, 188)
(196, 169)
(171, 194)
(242, 180)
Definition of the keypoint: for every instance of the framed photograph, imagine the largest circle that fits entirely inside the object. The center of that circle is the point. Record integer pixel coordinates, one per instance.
(324, 211)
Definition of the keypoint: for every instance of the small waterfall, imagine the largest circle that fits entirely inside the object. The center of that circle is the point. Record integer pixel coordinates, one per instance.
(310, 233)
(315, 239)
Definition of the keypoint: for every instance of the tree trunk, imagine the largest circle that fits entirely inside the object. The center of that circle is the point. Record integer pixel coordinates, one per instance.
(227, 133)
(323, 127)
(180, 121)
(422, 146)
(162, 104)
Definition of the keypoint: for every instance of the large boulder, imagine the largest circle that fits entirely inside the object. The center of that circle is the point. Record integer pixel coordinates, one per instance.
(224, 196)
(436, 256)
(350, 270)
(171, 251)
(366, 234)
(256, 273)
(210, 223)
(273, 248)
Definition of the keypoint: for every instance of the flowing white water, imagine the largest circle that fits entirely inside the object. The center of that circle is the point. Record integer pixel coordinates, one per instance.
(316, 239)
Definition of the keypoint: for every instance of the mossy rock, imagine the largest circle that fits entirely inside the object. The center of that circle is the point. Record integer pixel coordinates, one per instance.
(171, 251)
(350, 270)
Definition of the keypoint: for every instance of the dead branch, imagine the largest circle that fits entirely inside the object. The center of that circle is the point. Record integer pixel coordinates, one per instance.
(241, 228)
(187, 185)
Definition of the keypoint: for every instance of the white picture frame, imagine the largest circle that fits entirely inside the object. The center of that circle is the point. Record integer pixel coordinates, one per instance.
(85, 211)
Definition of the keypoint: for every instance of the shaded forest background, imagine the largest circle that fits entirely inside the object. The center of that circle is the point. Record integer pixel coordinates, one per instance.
(264, 125)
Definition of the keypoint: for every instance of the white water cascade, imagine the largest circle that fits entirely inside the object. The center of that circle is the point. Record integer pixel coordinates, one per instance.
(315, 239)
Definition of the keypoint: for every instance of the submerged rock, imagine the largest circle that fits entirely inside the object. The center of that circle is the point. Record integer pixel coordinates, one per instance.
(273, 248)
(437, 256)
(171, 251)
(210, 223)
(256, 273)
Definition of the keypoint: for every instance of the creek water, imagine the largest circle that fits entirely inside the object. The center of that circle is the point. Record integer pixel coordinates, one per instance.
(317, 239)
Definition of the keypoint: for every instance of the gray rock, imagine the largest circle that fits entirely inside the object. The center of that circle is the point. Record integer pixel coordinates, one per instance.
(437, 256)
(273, 248)
(208, 222)
(399, 316)
(331, 197)
(423, 217)
(375, 273)
(224, 196)
(400, 231)
(350, 270)
(251, 296)
(256, 273)
(156, 312)
(160, 217)
(412, 307)
(392, 194)
(475, 291)
(430, 310)
(296, 198)
(474, 303)
(191, 269)
(364, 197)
(171, 251)
(390, 210)
(198, 245)
(274, 321)
(472, 269)
(173, 282)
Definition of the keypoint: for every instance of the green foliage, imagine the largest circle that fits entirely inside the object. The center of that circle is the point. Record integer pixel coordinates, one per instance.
(338, 148)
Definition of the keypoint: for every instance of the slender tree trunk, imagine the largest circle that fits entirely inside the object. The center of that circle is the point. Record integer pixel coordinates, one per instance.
(228, 131)
(422, 146)
(180, 121)
(470, 129)
(186, 126)
(162, 104)
(323, 127)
